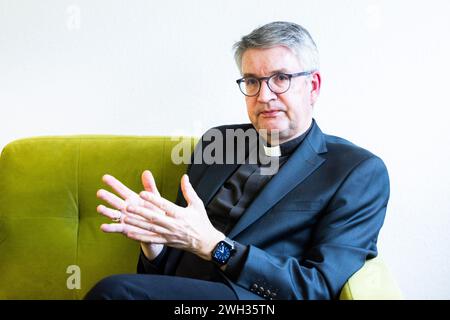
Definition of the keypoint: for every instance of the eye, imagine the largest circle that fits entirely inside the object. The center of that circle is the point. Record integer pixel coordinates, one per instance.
(281, 77)
(251, 81)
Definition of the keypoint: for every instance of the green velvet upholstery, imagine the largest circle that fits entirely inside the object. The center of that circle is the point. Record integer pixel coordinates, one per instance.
(48, 218)
(372, 282)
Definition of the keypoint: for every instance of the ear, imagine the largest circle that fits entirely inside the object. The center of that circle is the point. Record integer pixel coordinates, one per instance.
(316, 81)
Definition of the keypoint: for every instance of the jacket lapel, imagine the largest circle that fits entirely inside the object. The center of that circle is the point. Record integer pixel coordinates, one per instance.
(304, 161)
(213, 178)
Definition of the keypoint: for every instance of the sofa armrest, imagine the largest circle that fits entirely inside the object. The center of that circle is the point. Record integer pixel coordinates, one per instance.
(372, 282)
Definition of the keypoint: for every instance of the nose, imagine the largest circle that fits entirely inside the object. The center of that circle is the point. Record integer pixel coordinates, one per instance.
(265, 94)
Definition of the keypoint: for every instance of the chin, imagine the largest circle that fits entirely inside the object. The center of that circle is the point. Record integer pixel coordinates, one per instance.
(269, 126)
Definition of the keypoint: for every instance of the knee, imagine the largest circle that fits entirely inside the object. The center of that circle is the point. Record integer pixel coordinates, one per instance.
(110, 288)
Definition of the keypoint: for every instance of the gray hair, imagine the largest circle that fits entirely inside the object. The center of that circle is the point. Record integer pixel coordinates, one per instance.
(280, 33)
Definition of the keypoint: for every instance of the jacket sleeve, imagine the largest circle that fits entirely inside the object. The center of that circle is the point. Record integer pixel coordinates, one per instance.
(155, 266)
(344, 237)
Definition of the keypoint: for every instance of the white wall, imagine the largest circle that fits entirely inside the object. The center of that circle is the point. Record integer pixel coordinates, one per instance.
(166, 67)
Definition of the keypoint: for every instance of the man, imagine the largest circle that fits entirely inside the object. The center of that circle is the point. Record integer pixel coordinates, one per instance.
(236, 233)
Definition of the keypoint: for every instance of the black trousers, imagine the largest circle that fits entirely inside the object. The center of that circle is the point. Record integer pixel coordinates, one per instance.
(158, 287)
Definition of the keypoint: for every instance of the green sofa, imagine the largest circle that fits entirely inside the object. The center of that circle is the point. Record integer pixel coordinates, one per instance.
(51, 246)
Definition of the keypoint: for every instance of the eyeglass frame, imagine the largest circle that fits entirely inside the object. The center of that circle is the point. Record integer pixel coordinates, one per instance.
(266, 79)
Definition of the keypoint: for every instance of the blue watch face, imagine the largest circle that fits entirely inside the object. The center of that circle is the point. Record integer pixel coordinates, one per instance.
(222, 253)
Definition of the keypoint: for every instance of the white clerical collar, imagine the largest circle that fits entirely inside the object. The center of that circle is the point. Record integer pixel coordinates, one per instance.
(274, 151)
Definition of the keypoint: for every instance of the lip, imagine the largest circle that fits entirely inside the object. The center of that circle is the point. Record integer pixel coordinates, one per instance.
(270, 113)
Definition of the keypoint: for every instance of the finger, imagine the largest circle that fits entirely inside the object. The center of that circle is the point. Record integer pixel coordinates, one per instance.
(149, 182)
(118, 186)
(121, 204)
(143, 224)
(123, 229)
(146, 238)
(113, 214)
(188, 191)
(150, 185)
(151, 206)
(111, 199)
(165, 205)
(118, 203)
(152, 217)
(108, 212)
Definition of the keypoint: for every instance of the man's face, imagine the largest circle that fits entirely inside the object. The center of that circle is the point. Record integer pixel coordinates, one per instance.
(289, 112)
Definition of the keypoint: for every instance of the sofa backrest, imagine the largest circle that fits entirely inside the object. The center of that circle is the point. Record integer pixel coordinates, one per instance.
(49, 227)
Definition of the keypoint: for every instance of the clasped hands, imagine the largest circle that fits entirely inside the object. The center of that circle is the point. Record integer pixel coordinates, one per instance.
(155, 221)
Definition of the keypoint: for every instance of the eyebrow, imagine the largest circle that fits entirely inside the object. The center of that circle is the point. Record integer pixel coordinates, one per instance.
(283, 70)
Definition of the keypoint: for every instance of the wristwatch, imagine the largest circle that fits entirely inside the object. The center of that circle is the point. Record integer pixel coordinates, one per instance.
(223, 251)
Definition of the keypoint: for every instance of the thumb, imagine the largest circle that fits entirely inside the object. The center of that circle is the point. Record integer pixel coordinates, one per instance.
(149, 182)
(188, 191)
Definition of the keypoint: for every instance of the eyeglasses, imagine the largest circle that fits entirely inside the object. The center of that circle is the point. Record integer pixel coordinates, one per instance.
(278, 83)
